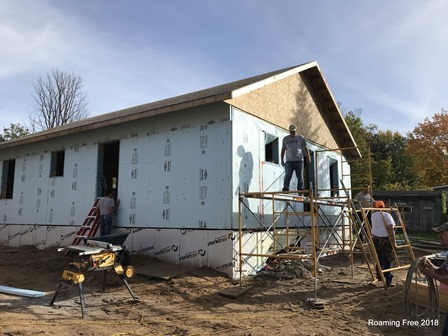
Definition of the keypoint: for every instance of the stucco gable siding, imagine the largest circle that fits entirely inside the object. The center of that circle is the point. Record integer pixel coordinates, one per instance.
(288, 101)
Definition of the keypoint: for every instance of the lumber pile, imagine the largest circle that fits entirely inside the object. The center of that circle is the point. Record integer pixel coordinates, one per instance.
(419, 294)
(426, 244)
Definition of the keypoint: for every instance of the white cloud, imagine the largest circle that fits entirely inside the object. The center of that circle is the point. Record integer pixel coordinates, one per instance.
(31, 34)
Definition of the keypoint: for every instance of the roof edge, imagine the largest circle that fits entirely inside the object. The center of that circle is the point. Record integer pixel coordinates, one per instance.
(281, 75)
(90, 124)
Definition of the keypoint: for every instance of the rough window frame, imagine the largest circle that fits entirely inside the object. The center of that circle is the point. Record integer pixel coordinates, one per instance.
(7, 182)
(57, 163)
(271, 148)
(333, 172)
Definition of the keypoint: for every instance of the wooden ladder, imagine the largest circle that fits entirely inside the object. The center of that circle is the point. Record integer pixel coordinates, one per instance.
(90, 225)
(362, 227)
(405, 245)
(363, 238)
(358, 219)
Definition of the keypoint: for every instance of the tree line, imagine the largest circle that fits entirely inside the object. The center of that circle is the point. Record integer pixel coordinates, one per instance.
(415, 161)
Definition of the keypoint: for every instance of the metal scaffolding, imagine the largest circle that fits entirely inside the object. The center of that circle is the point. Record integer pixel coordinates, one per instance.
(297, 227)
(318, 217)
(305, 225)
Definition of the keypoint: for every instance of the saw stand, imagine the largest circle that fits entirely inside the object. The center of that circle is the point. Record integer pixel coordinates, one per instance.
(96, 256)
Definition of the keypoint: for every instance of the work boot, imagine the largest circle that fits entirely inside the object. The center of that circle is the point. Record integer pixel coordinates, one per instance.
(390, 284)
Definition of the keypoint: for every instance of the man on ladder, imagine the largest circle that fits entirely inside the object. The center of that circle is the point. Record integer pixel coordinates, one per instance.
(383, 234)
(108, 207)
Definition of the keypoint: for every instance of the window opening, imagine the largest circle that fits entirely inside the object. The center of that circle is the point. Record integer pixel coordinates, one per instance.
(57, 163)
(7, 186)
(271, 148)
(334, 176)
(407, 210)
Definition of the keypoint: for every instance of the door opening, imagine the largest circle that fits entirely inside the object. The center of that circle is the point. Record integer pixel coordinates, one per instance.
(108, 163)
(309, 175)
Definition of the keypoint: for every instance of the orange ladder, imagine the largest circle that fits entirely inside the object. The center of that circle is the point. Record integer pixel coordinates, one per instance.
(90, 225)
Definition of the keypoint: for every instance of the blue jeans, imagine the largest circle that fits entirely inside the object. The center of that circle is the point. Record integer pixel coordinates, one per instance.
(384, 251)
(290, 167)
(106, 225)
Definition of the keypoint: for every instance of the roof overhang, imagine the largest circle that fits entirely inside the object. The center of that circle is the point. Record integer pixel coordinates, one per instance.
(340, 129)
(215, 94)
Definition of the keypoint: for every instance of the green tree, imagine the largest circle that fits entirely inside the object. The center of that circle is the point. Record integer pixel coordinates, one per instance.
(428, 144)
(444, 207)
(360, 169)
(13, 131)
(391, 167)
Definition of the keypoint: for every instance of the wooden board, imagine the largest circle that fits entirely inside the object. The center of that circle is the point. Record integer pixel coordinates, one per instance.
(418, 294)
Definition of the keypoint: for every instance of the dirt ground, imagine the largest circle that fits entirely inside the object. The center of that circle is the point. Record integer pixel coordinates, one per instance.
(192, 302)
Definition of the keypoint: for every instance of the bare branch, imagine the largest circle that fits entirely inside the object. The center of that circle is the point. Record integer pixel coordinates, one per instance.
(58, 100)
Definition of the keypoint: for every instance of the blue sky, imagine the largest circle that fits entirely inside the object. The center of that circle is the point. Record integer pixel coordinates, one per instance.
(385, 57)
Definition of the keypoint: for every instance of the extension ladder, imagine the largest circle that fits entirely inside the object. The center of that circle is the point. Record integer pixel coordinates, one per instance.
(90, 225)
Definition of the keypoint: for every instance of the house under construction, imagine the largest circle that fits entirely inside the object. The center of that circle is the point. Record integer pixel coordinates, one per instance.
(179, 167)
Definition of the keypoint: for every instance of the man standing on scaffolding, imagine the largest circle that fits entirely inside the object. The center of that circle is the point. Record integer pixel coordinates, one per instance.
(294, 145)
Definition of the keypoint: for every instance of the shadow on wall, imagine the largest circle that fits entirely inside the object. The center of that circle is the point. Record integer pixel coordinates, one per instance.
(246, 170)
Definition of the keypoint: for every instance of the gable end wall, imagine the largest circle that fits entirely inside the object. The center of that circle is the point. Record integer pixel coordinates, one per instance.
(288, 101)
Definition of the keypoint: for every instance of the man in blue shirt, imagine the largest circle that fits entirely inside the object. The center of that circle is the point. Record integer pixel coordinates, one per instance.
(296, 150)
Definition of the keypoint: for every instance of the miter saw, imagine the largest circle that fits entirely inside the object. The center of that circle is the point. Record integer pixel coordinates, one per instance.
(94, 256)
